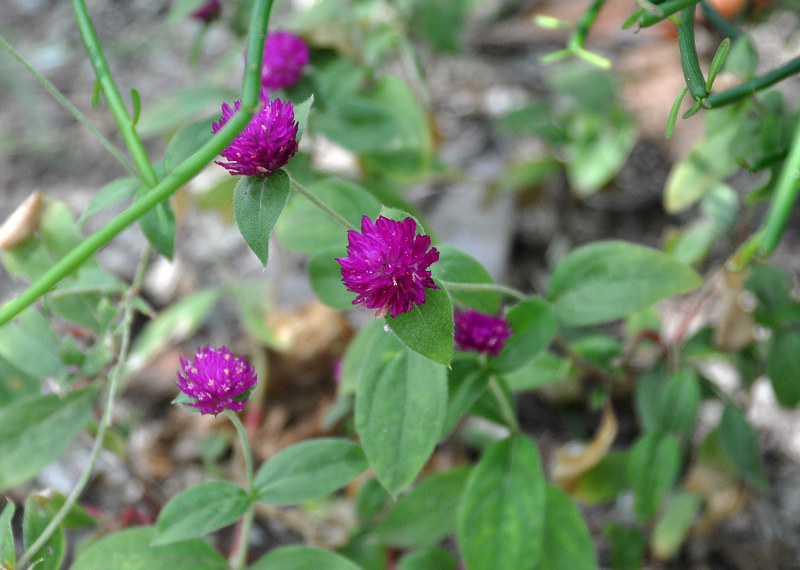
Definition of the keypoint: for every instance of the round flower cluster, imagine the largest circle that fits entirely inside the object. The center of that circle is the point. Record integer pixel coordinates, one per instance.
(478, 332)
(387, 265)
(285, 56)
(216, 380)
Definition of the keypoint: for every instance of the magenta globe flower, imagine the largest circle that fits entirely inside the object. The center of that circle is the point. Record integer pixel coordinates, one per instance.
(285, 56)
(478, 332)
(215, 380)
(266, 143)
(387, 265)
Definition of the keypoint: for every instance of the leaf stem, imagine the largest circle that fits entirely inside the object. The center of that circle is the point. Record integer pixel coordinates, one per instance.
(182, 174)
(785, 196)
(105, 423)
(505, 406)
(488, 287)
(334, 215)
(665, 10)
(239, 553)
(113, 98)
(757, 84)
(83, 119)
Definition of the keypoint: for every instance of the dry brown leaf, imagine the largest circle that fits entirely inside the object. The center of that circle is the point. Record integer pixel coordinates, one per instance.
(22, 222)
(575, 459)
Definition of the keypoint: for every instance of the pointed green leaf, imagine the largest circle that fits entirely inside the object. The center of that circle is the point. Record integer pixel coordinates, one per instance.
(308, 470)
(37, 517)
(674, 524)
(360, 361)
(325, 275)
(427, 328)
(782, 366)
(501, 521)
(36, 430)
(303, 558)
(567, 543)
(7, 555)
(158, 225)
(458, 267)
(257, 204)
(533, 328)
(740, 444)
(400, 408)
(301, 115)
(653, 467)
(130, 549)
(425, 515)
(608, 280)
(199, 510)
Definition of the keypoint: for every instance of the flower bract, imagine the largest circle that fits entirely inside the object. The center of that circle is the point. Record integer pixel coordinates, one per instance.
(216, 380)
(285, 56)
(478, 332)
(266, 143)
(387, 265)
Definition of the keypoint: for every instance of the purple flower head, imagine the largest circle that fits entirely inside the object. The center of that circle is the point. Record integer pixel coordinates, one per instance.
(209, 11)
(387, 265)
(215, 380)
(265, 144)
(285, 55)
(478, 332)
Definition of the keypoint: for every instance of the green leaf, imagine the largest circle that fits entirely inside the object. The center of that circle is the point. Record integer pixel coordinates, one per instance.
(360, 360)
(567, 544)
(305, 228)
(309, 469)
(428, 328)
(186, 142)
(653, 467)
(158, 225)
(740, 444)
(401, 401)
(605, 481)
(501, 521)
(303, 558)
(36, 430)
(425, 515)
(76, 517)
(199, 510)
(136, 102)
(607, 280)
(173, 325)
(428, 559)
(7, 555)
(782, 366)
(301, 115)
(257, 203)
(130, 549)
(708, 163)
(458, 267)
(370, 500)
(533, 328)
(30, 345)
(182, 106)
(679, 402)
(674, 524)
(325, 275)
(112, 193)
(466, 381)
(544, 369)
(37, 517)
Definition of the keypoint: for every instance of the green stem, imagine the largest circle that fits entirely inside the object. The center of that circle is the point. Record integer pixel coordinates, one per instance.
(336, 216)
(83, 119)
(113, 98)
(505, 406)
(578, 37)
(757, 84)
(239, 554)
(666, 9)
(689, 62)
(182, 174)
(719, 21)
(487, 287)
(785, 196)
(105, 423)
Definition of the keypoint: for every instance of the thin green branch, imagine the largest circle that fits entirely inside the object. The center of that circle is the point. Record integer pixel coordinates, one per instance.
(754, 85)
(689, 62)
(81, 118)
(105, 423)
(182, 174)
(665, 10)
(719, 21)
(485, 287)
(785, 196)
(333, 214)
(239, 554)
(115, 103)
(506, 410)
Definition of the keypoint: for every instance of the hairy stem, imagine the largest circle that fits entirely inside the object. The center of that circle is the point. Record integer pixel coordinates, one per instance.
(239, 553)
(487, 287)
(105, 423)
(334, 215)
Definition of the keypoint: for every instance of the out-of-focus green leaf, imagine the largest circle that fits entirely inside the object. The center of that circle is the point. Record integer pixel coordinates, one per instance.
(303, 558)
(37, 517)
(740, 444)
(567, 544)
